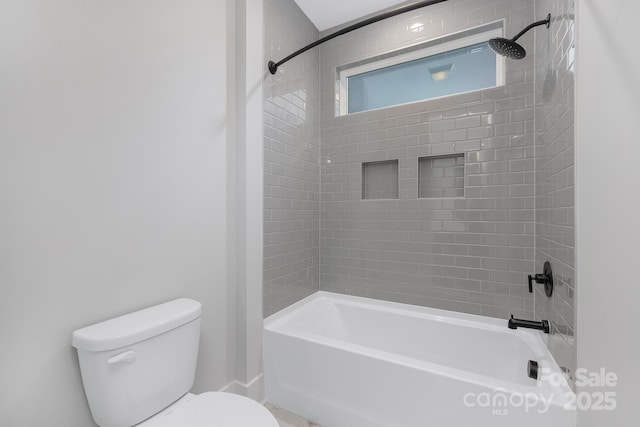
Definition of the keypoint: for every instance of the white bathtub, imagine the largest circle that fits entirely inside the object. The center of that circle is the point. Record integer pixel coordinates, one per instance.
(344, 361)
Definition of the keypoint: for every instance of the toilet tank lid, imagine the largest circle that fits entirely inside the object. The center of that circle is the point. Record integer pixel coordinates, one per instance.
(138, 326)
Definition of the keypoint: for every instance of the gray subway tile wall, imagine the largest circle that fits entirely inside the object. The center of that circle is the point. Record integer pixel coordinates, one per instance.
(555, 201)
(291, 159)
(469, 254)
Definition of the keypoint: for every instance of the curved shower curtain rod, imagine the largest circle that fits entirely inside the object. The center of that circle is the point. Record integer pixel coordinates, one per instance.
(273, 66)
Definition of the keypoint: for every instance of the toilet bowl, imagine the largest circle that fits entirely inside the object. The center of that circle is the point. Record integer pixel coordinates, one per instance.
(211, 410)
(138, 369)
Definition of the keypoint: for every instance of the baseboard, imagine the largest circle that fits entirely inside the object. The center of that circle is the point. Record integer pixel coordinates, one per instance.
(253, 390)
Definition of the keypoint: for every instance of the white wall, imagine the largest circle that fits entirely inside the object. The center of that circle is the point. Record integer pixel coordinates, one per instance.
(608, 201)
(113, 185)
(248, 79)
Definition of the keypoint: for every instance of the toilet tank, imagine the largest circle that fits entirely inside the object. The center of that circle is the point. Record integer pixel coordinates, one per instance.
(135, 365)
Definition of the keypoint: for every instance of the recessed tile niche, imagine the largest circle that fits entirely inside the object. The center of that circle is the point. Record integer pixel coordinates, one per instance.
(380, 180)
(441, 176)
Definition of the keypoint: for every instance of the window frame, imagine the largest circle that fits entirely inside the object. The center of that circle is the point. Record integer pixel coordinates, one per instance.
(414, 54)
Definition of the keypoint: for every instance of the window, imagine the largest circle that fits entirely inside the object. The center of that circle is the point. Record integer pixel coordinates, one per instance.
(453, 65)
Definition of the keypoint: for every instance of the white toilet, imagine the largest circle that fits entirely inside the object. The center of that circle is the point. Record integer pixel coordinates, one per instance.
(137, 370)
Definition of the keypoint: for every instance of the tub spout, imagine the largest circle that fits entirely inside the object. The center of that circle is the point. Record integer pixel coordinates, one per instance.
(530, 324)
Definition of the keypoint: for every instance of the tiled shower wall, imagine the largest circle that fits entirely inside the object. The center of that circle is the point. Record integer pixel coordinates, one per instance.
(555, 200)
(291, 159)
(468, 254)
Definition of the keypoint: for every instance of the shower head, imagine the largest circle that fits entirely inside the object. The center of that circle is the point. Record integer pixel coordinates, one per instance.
(509, 47)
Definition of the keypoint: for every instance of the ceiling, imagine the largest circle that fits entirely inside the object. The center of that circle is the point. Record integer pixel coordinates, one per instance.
(329, 13)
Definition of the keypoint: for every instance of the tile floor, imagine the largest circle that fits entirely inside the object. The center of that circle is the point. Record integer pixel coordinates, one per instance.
(287, 419)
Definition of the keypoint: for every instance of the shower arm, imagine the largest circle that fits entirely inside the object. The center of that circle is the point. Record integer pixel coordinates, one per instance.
(273, 66)
(546, 22)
